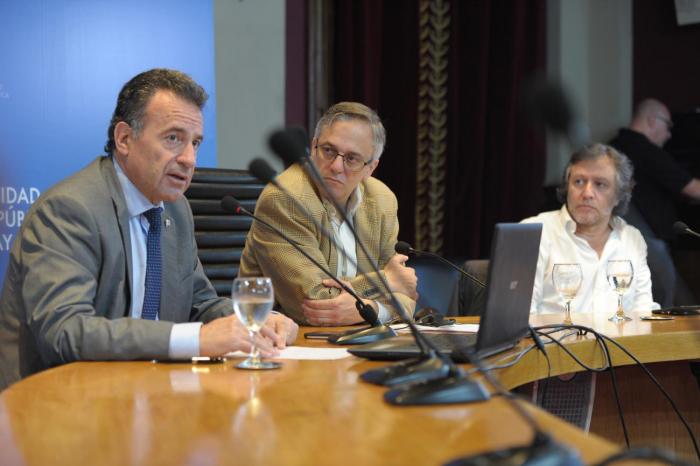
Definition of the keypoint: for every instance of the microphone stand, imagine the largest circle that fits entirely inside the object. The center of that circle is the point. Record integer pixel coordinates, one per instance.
(431, 379)
(377, 331)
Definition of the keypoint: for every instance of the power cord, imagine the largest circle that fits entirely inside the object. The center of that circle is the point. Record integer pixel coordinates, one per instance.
(540, 346)
(605, 339)
(543, 450)
(608, 367)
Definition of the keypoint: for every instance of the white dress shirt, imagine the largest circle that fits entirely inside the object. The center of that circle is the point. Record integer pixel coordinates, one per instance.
(560, 245)
(184, 337)
(347, 246)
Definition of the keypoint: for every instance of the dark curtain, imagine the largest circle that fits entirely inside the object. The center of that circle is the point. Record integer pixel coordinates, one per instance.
(375, 61)
(495, 161)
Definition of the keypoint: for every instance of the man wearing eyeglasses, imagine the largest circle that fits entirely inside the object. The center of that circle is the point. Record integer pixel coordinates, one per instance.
(660, 179)
(346, 147)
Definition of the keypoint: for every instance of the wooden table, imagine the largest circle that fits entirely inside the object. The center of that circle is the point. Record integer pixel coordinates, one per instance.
(664, 346)
(309, 412)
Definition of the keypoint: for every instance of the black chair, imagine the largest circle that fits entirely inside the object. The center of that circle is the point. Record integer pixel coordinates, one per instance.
(667, 286)
(221, 235)
(446, 290)
(438, 285)
(472, 296)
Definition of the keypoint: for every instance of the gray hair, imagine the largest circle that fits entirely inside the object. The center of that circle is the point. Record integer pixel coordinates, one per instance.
(135, 95)
(624, 174)
(347, 111)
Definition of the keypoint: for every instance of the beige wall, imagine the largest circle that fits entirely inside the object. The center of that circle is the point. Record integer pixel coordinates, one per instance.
(250, 78)
(589, 48)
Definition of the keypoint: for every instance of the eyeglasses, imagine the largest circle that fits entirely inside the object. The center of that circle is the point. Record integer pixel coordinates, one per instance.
(352, 162)
(666, 121)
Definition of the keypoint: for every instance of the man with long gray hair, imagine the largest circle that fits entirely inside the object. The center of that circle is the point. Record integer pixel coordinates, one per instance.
(595, 190)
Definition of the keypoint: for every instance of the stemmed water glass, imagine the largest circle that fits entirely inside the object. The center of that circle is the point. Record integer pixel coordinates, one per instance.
(252, 301)
(567, 280)
(620, 274)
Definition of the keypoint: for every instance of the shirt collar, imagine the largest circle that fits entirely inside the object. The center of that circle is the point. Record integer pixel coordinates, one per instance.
(136, 202)
(354, 202)
(351, 206)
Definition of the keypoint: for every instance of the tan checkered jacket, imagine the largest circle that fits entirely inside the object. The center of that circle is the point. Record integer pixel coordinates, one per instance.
(295, 277)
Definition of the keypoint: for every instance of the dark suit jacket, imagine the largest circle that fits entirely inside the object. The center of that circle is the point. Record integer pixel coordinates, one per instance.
(66, 295)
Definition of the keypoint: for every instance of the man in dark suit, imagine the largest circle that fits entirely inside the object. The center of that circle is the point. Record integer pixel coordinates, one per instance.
(105, 265)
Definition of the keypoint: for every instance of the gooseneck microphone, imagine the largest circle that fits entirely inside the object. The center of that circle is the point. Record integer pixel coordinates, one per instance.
(547, 102)
(431, 379)
(231, 204)
(404, 248)
(683, 229)
(377, 330)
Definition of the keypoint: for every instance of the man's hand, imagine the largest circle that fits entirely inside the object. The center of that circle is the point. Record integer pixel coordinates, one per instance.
(227, 334)
(401, 279)
(336, 311)
(280, 329)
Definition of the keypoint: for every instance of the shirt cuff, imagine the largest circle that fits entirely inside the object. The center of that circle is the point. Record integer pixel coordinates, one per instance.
(384, 314)
(184, 340)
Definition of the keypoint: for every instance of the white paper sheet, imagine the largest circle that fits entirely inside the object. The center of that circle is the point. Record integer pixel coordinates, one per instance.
(303, 353)
(456, 328)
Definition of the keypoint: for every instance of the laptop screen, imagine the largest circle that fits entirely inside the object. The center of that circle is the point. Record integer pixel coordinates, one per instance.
(506, 316)
(511, 278)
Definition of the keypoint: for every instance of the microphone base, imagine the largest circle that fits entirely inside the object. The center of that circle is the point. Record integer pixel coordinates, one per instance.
(542, 452)
(448, 390)
(362, 336)
(408, 372)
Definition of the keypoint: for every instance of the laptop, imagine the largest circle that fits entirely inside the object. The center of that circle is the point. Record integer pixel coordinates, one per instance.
(514, 252)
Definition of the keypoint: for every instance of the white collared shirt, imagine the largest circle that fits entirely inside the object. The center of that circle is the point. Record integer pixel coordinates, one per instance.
(347, 246)
(561, 245)
(184, 337)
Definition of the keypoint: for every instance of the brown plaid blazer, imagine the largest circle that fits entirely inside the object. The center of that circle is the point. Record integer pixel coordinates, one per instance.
(295, 277)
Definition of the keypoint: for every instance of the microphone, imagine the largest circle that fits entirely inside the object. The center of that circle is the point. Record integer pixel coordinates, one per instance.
(404, 248)
(262, 170)
(547, 102)
(377, 331)
(433, 377)
(289, 144)
(683, 229)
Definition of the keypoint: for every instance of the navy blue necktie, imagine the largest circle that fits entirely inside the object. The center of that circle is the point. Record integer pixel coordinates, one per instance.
(151, 297)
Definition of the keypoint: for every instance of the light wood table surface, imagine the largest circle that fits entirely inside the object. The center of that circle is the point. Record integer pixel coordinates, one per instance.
(665, 347)
(308, 412)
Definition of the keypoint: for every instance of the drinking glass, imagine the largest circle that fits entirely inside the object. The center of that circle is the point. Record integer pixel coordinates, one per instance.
(567, 280)
(252, 301)
(620, 275)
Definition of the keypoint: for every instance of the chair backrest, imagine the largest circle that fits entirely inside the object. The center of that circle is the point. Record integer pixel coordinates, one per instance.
(438, 285)
(472, 295)
(663, 271)
(221, 235)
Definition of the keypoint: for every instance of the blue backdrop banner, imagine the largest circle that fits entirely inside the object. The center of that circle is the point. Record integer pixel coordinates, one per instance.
(62, 65)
